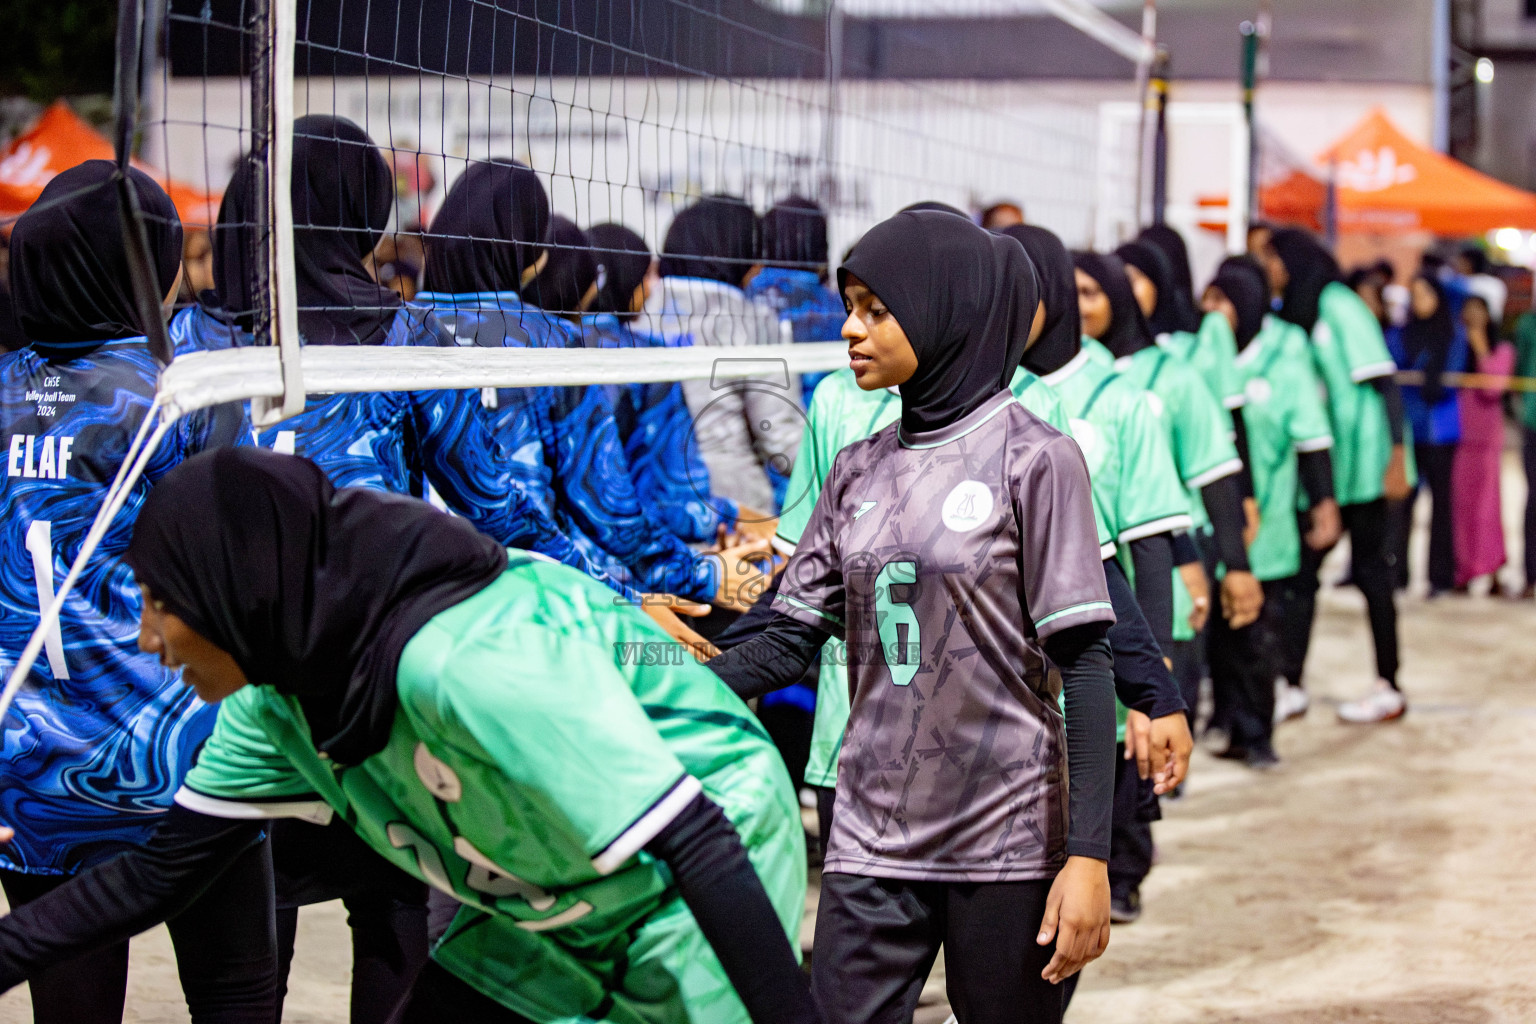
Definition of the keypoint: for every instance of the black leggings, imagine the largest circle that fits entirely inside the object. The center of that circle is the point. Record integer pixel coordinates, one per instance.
(1244, 663)
(224, 954)
(877, 938)
(438, 997)
(1371, 568)
(386, 910)
(1434, 462)
(1528, 458)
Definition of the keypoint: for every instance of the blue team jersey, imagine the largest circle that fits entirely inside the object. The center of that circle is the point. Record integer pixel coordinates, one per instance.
(382, 439)
(567, 444)
(656, 429)
(100, 737)
(812, 310)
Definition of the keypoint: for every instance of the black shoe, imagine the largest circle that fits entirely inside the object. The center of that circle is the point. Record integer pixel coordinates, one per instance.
(1125, 909)
(1261, 759)
(1233, 752)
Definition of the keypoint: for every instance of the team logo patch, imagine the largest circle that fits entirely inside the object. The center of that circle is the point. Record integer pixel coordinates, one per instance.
(1091, 441)
(967, 506)
(441, 781)
(1258, 390)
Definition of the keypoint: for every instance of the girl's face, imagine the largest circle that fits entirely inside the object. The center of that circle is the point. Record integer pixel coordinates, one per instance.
(1143, 288)
(1474, 313)
(647, 285)
(1274, 268)
(1424, 300)
(1369, 291)
(1093, 306)
(878, 350)
(206, 667)
(1215, 301)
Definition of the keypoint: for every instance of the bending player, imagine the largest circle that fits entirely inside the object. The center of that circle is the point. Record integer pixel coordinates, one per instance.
(952, 823)
(624, 840)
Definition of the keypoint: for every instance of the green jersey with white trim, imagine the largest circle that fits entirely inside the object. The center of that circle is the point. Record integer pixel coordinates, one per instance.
(1212, 352)
(544, 735)
(1349, 352)
(1199, 436)
(1284, 416)
(841, 413)
(1098, 352)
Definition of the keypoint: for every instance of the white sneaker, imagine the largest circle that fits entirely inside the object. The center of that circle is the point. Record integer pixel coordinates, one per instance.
(1382, 704)
(1290, 701)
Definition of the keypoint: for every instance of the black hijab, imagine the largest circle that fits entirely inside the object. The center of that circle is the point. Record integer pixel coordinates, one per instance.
(313, 591)
(934, 206)
(623, 260)
(342, 194)
(1427, 340)
(571, 270)
(1311, 268)
(795, 235)
(1171, 244)
(1128, 332)
(1062, 336)
(1166, 316)
(716, 238)
(70, 283)
(966, 299)
(490, 229)
(233, 297)
(1243, 282)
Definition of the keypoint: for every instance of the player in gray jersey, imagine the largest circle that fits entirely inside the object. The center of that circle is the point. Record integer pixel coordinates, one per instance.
(956, 553)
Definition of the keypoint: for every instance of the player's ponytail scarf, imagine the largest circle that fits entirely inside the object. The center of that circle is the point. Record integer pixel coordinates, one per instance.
(1167, 315)
(69, 263)
(1062, 335)
(1128, 332)
(571, 270)
(1243, 282)
(490, 229)
(623, 260)
(313, 591)
(966, 299)
(1311, 269)
(717, 238)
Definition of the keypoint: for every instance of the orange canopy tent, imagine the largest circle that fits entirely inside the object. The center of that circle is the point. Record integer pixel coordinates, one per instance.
(59, 140)
(1389, 184)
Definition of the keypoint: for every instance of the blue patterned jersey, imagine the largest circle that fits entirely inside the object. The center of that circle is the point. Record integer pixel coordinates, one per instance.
(98, 740)
(581, 460)
(656, 429)
(378, 439)
(813, 311)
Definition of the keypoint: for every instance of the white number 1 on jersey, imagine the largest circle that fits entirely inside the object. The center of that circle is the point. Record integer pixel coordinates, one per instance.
(40, 544)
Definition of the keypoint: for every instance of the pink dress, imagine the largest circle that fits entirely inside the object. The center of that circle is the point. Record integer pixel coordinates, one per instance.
(1478, 520)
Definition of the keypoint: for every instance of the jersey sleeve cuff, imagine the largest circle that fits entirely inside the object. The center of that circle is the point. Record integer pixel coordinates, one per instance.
(784, 545)
(1315, 444)
(1218, 472)
(1167, 524)
(1370, 371)
(787, 604)
(1236, 401)
(308, 808)
(1076, 615)
(1107, 550)
(648, 826)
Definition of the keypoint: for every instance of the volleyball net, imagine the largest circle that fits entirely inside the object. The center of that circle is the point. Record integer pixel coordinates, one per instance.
(628, 111)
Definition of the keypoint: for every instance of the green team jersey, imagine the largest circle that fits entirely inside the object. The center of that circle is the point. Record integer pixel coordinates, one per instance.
(1199, 437)
(1349, 351)
(841, 413)
(1284, 416)
(544, 736)
(1212, 352)
(1098, 352)
(1136, 489)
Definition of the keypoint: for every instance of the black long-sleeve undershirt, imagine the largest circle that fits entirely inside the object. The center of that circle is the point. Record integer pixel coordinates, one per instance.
(1152, 558)
(1315, 470)
(779, 652)
(1392, 397)
(1240, 439)
(1142, 680)
(1224, 506)
(188, 851)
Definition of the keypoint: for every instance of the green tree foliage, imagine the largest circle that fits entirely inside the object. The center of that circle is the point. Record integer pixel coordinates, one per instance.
(51, 48)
